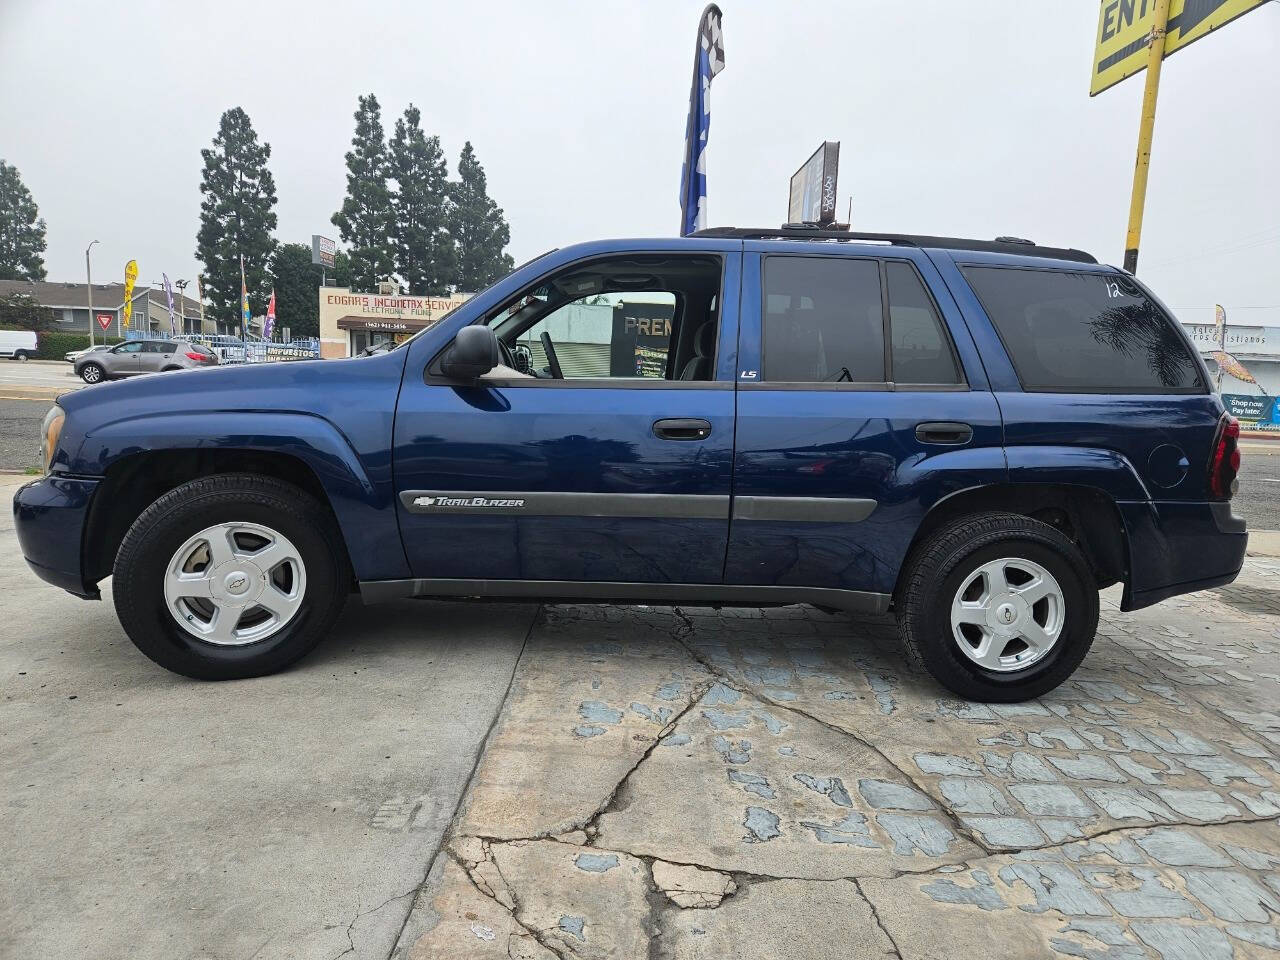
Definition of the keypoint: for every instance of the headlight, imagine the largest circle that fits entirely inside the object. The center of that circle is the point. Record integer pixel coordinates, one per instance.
(50, 431)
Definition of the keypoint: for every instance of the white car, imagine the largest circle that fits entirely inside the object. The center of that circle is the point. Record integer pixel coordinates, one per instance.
(72, 356)
(18, 345)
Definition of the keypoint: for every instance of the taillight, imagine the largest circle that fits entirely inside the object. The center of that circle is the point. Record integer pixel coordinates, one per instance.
(1224, 466)
(192, 355)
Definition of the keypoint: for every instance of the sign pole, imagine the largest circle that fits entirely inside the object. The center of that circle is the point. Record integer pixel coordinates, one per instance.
(1155, 57)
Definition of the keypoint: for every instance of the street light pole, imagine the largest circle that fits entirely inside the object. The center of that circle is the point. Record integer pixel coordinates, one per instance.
(182, 303)
(88, 277)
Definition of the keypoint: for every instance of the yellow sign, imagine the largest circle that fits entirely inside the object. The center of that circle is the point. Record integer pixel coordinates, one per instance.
(130, 275)
(1124, 32)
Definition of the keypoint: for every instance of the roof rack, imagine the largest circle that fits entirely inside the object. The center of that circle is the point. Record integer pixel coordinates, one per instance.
(1010, 245)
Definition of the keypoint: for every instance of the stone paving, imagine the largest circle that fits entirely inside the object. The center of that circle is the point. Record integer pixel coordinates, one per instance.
(694, 783)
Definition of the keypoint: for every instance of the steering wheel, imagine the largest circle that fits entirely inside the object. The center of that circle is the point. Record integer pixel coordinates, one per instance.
(553, 362)
(508, 358)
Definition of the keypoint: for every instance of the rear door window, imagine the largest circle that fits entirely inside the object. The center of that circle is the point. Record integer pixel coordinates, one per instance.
(1072, 332)
(921, 351)
(823, 320)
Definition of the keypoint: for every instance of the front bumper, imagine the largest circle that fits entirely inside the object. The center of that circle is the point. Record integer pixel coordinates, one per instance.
(49, 515)
(1179, 547)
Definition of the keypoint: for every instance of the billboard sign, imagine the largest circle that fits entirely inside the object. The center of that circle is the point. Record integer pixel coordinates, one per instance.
(813, 187)
(323, 251)
(1254, 412)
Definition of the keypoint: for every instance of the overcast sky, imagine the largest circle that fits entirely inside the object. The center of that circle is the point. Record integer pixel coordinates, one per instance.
(960, 118)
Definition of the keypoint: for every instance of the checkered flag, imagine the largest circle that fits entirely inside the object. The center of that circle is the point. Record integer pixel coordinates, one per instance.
(708, 61)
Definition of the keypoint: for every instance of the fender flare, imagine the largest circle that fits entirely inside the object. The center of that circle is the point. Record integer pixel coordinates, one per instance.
(364, 510)
(1097, 467)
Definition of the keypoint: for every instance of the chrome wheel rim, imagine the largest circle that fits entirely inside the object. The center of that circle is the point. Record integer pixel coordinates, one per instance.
(91, 374)
(235, 583)
(1008, 614)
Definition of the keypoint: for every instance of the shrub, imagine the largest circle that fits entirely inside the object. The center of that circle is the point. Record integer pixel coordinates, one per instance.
(54, 346)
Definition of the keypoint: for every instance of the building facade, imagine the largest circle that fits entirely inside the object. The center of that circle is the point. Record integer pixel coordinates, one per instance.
(1253, 339)
(71, 313)
(350, 321)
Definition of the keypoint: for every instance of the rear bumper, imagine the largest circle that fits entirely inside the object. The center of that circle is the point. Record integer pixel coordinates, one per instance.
(1178, 547)
(49, 515)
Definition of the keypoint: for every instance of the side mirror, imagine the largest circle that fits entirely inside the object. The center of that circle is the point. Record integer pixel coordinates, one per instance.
(473, 354)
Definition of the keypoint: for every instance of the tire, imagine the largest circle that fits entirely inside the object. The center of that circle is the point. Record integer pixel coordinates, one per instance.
(955, 557)
(92, 373)
(143, 583)
(21, 356)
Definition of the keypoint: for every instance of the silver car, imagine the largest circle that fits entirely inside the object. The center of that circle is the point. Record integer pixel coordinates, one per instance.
(143, 356)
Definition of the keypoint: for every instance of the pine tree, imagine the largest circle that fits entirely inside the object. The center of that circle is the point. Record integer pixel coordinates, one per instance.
(477, 226)
(366, 221)
(424, 251)
(22, 240)
(236, 218)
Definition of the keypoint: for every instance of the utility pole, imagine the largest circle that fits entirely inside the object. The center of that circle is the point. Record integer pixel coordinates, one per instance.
(1155, 57)
(88, 278)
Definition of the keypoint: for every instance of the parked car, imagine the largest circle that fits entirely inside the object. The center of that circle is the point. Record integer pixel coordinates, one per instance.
(975, 436)
(73, 355)
(142, 356)
(18, 345)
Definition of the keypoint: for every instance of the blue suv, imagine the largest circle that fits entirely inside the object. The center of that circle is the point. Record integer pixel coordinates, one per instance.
(974, 435)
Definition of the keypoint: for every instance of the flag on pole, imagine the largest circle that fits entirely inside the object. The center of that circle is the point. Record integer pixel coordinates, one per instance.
(130, 277)
(244, 301)
(707, 62)
(271, 316)
(168, 292)
(1220, 322)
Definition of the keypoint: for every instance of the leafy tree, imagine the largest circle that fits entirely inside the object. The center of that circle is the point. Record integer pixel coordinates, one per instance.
(22, 240)
(297, 286)
(21, 311)
(366, 221)
(424, 251)
(236, 218)
(477, 226)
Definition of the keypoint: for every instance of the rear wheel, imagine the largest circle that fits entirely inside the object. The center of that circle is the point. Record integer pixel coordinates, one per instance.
(230, 576)
(998, 607)
(92, 373)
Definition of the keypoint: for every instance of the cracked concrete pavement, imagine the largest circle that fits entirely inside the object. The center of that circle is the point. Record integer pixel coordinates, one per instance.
(150, 816)
(465, 780)
(693, 783)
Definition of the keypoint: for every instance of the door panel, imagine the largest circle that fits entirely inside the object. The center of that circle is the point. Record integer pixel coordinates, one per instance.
(125, 361)
(570, 480)
(832, 480)
(857, 452)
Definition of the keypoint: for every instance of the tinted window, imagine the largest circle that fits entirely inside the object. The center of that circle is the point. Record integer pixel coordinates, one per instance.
(921, 349)
(1084, 332)
(823, 320)
(135, 347)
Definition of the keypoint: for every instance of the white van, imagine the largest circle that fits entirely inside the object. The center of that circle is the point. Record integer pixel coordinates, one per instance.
(18, 345)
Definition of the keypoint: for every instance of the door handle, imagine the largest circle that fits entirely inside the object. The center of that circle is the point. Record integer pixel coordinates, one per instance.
(682, 428)
(945, 432)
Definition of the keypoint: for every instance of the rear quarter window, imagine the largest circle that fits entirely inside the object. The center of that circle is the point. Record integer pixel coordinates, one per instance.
(1084, 332)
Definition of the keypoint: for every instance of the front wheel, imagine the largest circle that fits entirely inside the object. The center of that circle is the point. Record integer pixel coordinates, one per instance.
(230, 576)
(998, 607)
(21, 356)
(92, 373)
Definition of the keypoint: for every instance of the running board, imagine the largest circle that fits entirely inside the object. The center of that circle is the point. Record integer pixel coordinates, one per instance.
(696, 594)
